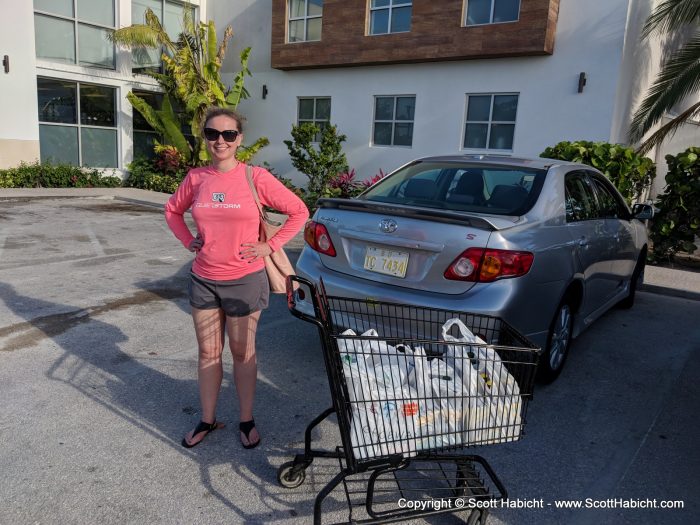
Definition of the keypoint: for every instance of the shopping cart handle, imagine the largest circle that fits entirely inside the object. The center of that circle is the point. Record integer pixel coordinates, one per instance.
(295, 291)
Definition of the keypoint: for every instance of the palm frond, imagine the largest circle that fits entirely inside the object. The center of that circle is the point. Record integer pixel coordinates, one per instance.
(153, 22)
(245, 153)
(672, 15)
(173, 135)
(679, 77)
(211, 43)
(669, 129)
(146, 110)
(135, 36)
(238, 90)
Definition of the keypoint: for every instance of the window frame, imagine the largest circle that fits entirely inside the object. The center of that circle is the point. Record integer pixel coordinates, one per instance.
(393, 4)
(393, 121)
(315, 120)
(490, 22)
(77, 22)
(79, 126)
(305, 18)
(489, 123)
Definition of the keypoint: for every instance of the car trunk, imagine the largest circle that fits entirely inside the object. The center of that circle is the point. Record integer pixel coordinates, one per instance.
(400, 245)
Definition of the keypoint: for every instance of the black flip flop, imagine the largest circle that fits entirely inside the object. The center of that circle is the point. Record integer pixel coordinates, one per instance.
(201, 427)
(247, 427)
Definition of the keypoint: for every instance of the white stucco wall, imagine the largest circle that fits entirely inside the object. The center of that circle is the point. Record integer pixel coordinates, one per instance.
(589, 38)
(18, 103)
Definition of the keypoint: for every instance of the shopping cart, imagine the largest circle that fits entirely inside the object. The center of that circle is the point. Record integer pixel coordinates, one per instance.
(412, 387)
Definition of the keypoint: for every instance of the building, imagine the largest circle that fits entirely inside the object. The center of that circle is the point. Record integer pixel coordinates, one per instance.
(399, 78)
(404, 79)
(63, 90)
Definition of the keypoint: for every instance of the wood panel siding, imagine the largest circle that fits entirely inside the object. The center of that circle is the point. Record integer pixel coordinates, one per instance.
(437, 33)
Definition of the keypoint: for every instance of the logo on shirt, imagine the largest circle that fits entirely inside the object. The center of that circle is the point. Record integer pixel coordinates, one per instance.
(218, 197)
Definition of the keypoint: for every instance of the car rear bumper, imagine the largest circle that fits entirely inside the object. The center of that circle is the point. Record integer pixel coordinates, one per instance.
(494, 299)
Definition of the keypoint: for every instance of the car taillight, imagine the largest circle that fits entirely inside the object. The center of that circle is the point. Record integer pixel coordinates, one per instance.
(316, 235)
(482, 265)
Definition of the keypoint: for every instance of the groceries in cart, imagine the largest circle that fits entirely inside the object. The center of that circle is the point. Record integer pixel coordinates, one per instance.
(405, 399)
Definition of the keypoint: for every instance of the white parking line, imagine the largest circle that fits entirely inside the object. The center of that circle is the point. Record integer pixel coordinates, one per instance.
(95, 242)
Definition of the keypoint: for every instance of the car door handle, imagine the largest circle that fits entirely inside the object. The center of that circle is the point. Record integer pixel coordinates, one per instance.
(583, 241)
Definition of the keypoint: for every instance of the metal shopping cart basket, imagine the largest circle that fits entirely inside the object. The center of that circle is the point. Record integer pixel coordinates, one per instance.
(412, 387)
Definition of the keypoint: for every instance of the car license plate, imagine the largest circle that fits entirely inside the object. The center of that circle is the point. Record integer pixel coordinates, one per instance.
(387, 262)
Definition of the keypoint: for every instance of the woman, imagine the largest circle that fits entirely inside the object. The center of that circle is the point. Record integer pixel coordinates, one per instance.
(228, 287)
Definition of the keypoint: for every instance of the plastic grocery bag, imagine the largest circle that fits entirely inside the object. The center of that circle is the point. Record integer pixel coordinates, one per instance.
(389, 426)
(384, 408)
(359, 376)
(494, 411)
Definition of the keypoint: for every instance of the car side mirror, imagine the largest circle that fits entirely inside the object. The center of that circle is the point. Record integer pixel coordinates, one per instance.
(642, 211)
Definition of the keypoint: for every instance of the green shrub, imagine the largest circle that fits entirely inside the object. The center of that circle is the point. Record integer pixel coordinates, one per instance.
(630, 172)
(143, 174)
(162, 173)
(677, 222)
(46, 175)
(319, 162)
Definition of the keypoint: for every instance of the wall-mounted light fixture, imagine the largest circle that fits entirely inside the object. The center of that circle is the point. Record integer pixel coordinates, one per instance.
(264, 91)
(6, 63)
(581, 81)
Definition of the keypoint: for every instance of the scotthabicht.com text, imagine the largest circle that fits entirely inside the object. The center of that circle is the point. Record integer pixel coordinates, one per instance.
(588, 503)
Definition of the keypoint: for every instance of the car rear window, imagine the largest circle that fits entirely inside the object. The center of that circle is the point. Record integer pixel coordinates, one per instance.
(492, 189)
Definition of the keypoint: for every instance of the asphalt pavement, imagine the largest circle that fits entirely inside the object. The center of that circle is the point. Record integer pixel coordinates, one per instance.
(98, 382)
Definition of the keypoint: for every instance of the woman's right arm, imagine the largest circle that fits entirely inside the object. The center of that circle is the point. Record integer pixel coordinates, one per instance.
(175, 209)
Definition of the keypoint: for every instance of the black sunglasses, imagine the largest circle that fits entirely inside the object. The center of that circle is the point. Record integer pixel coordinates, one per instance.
(230, 135)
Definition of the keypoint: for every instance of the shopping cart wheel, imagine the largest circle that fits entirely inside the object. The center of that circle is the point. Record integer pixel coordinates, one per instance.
(288, 478)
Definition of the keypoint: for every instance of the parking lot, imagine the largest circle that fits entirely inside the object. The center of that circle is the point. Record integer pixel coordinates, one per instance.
(98, 386)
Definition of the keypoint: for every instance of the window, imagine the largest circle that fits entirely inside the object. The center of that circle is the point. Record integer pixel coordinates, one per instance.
(490, 121)
(316, 111)
(580, 198)
(389, 16)
(492, 11)
(492, 189)
(170, 15)
(77, 123)
(393, 120)
(144, 135)
(75, 31)
(609, 205)
(305, 20)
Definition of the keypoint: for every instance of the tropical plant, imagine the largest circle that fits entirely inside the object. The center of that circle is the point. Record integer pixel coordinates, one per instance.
(319, 162)
(677, 223)
(163, 173)
(631, 173)
(371, 182)
(679, 75)
(343, 185)
(191, 80)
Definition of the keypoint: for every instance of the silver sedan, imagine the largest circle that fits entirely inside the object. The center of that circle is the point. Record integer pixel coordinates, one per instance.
(546, 245)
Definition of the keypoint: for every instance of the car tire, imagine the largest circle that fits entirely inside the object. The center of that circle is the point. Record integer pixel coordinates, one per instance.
(558, 343)
(636, 280)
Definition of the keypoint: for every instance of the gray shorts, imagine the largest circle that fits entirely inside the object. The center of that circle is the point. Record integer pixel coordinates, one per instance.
(237, 298)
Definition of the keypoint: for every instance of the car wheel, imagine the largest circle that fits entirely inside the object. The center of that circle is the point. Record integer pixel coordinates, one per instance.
(558, 343)
(635, 281)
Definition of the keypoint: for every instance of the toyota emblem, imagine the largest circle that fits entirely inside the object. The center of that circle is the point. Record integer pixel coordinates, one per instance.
(388, 225)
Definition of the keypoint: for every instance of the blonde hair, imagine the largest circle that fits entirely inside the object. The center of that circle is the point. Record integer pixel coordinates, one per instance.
(216, 111)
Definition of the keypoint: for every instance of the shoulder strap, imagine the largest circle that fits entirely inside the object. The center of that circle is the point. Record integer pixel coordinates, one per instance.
(249, 176)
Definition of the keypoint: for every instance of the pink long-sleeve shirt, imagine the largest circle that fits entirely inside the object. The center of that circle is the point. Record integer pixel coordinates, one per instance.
(224, 210)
